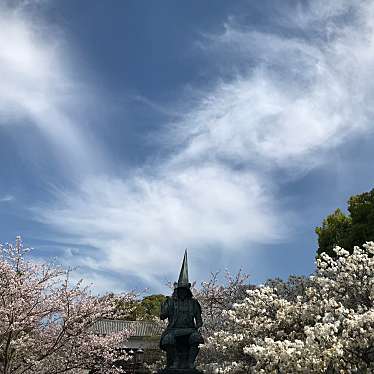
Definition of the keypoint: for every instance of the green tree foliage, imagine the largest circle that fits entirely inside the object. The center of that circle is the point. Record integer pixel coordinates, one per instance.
(347, 231)
(335, 230)
(149, 307)
(145, 309)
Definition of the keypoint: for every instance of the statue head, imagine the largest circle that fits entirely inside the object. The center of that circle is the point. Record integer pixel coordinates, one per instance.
(184, 293)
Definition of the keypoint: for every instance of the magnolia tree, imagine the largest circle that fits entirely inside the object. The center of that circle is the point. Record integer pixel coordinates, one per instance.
(46, 324)
(320, 324)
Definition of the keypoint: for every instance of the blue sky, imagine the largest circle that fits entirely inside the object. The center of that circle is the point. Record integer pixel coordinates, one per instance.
(131, 130)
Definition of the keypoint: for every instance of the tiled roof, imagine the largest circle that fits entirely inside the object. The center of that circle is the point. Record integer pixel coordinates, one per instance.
(136, 328)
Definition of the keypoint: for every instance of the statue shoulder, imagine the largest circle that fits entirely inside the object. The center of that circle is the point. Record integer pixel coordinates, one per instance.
(166, 307)
(169, 300)
(166, 302)
(196, 303)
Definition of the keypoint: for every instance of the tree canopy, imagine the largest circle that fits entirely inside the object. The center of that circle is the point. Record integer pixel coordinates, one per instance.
(348, 230)
(46, 323)
(138, 309)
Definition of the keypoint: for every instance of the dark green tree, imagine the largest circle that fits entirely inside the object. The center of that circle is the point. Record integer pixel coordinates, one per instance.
(151, 305)
(348, 230)
(139, 309)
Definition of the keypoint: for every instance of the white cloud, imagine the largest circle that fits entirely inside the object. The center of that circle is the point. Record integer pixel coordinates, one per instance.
(300, 98)
(141, 224)
(6, 198)
(303, 97)
(37, 86)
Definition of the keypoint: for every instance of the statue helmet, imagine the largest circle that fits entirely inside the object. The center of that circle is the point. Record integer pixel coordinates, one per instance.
(183, 275)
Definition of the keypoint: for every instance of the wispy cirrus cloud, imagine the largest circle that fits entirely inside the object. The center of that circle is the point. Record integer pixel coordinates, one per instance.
(6, 198)
(298, 98)
(38, 86)
(143, 223)
(304, 89)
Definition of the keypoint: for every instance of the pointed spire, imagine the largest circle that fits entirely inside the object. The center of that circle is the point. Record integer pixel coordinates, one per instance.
(183, 275)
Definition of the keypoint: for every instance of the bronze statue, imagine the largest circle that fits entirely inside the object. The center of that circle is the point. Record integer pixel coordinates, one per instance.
(181, 338)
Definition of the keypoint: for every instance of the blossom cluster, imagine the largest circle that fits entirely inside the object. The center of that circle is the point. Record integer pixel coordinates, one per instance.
(46, 323)
(323, 323)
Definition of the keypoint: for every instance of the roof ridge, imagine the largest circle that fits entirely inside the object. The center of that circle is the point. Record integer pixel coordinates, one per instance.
(125, 320)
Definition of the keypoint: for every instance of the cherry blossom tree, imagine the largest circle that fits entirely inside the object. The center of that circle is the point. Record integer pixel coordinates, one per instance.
(320, 324)
(46, 323)
(217, 294)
